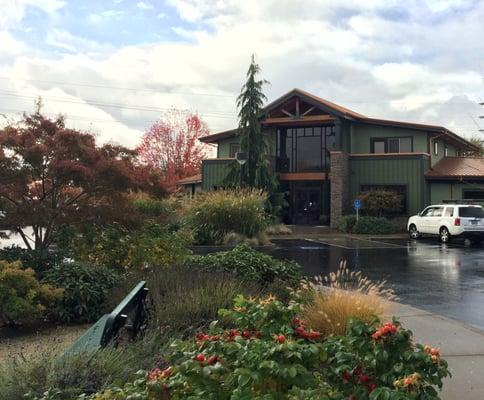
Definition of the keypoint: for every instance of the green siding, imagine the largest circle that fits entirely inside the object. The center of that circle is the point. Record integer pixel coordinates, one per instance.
(380, 170)
(224, 146)
(452, 150)
(214, 173)
(361, 137)
(440, 191)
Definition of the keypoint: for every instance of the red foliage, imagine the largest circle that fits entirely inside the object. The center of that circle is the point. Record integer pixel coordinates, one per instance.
(52, 176)
(171, 145)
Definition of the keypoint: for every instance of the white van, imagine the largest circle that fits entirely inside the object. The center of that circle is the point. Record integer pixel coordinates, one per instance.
(447, 221)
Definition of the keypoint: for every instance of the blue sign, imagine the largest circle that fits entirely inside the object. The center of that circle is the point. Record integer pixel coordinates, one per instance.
(357, 204)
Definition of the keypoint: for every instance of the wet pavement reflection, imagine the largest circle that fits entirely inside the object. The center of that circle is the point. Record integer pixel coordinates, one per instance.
(446, 279)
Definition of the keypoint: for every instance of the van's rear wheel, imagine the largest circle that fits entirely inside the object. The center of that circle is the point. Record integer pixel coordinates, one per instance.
(413, 232)
(444, 235)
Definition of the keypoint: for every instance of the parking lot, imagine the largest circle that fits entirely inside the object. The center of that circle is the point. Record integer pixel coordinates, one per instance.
(446, 279)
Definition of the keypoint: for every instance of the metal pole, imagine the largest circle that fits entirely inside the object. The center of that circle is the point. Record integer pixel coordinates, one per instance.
(241, 174)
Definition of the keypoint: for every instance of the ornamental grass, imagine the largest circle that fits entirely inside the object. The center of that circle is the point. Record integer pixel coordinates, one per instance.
(335, 299)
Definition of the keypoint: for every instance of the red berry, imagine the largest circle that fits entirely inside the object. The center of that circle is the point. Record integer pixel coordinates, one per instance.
(281, 339)
(212, 360)
(363, 378)
(371, 387)
(200, 357)
(257, 334)
(345, 375)
(246, 334)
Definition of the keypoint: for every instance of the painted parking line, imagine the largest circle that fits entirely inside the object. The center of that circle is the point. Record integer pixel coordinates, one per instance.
(356, 243)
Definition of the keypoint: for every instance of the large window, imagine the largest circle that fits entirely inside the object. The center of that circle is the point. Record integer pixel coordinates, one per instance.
(399, 189)
(473, 194)
(392, 145)
(305, 149)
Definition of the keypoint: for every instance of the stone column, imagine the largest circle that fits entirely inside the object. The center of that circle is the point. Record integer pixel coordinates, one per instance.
(339, 186)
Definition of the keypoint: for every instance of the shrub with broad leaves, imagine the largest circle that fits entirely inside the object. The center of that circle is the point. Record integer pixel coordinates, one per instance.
(85, 289)
(248, 264)
(270, 354)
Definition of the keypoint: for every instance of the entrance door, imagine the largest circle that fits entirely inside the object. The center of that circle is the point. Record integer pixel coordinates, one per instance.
(307, 205)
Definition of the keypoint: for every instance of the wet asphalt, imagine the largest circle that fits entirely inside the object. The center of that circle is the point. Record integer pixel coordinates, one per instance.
(446, 279)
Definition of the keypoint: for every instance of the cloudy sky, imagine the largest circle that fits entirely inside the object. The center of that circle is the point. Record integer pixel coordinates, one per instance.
(112, 66)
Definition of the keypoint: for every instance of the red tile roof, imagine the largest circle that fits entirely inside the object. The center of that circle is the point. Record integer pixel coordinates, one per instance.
(190, 180)
(457, 167)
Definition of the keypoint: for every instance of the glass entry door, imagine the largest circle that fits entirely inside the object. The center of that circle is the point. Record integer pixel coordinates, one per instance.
(307, 204)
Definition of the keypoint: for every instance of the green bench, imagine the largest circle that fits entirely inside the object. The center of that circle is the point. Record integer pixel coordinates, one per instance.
(128, 318)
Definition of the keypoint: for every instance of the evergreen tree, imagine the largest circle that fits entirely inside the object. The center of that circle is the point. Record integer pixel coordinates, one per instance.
(250, 103)
(257, 171)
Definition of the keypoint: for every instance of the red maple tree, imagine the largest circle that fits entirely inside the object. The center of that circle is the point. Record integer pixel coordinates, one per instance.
(171, 145)
(52, 177)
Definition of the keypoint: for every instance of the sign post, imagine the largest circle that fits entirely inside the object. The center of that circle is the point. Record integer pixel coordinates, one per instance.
(357, 206)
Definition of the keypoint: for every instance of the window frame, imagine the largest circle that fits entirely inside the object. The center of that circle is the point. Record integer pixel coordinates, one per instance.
(231, 147)
(386, 139)
(436, 147)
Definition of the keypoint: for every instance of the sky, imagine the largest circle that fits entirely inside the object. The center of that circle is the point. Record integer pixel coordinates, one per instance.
(113, 66)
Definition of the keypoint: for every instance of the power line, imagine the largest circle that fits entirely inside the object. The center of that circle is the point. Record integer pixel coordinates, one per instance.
(117, 87)
(87, 119)
(4, 93)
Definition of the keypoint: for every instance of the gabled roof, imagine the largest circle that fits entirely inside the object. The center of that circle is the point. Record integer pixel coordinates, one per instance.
(190, 180)
(345, 113)
(315, 100)
(457, 168)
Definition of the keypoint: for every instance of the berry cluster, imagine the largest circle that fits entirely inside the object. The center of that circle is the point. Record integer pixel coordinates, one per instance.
(358, 376)
(385, 331)
(301, 331)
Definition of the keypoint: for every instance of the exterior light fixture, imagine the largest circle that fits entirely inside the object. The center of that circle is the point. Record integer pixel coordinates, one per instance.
(241, 157)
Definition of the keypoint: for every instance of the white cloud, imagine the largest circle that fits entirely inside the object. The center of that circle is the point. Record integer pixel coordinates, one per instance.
(13, 11)
(350, 52)
(144, 6)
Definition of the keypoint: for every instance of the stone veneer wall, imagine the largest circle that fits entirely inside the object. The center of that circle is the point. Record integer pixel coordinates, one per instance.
(340, 185)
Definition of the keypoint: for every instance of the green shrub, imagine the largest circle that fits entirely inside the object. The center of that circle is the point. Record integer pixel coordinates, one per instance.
(212, 215)
(270, 354)
(119, 248)
(248, 264)
(380, 202)
(366, 225)
(22, 297)
(162, 210)
(155, 246)
(38, 260)
(85, 290)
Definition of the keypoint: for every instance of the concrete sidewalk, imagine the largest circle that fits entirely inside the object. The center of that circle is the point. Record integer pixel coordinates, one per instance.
(462, 346)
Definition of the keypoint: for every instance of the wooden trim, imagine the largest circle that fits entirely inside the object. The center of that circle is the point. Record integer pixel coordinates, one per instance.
(303, 176)
(308, 111)
(289, 120)
(387, 154)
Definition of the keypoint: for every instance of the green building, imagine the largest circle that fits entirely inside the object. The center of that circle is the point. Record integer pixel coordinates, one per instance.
(324, 154)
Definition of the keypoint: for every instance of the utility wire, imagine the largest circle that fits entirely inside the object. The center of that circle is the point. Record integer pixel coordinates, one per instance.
(118, 88)
(110, 105)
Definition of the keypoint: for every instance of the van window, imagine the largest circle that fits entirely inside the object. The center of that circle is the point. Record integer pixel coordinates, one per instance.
(438, 211)
(471, 212)
(428, 212)
(449, 212)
